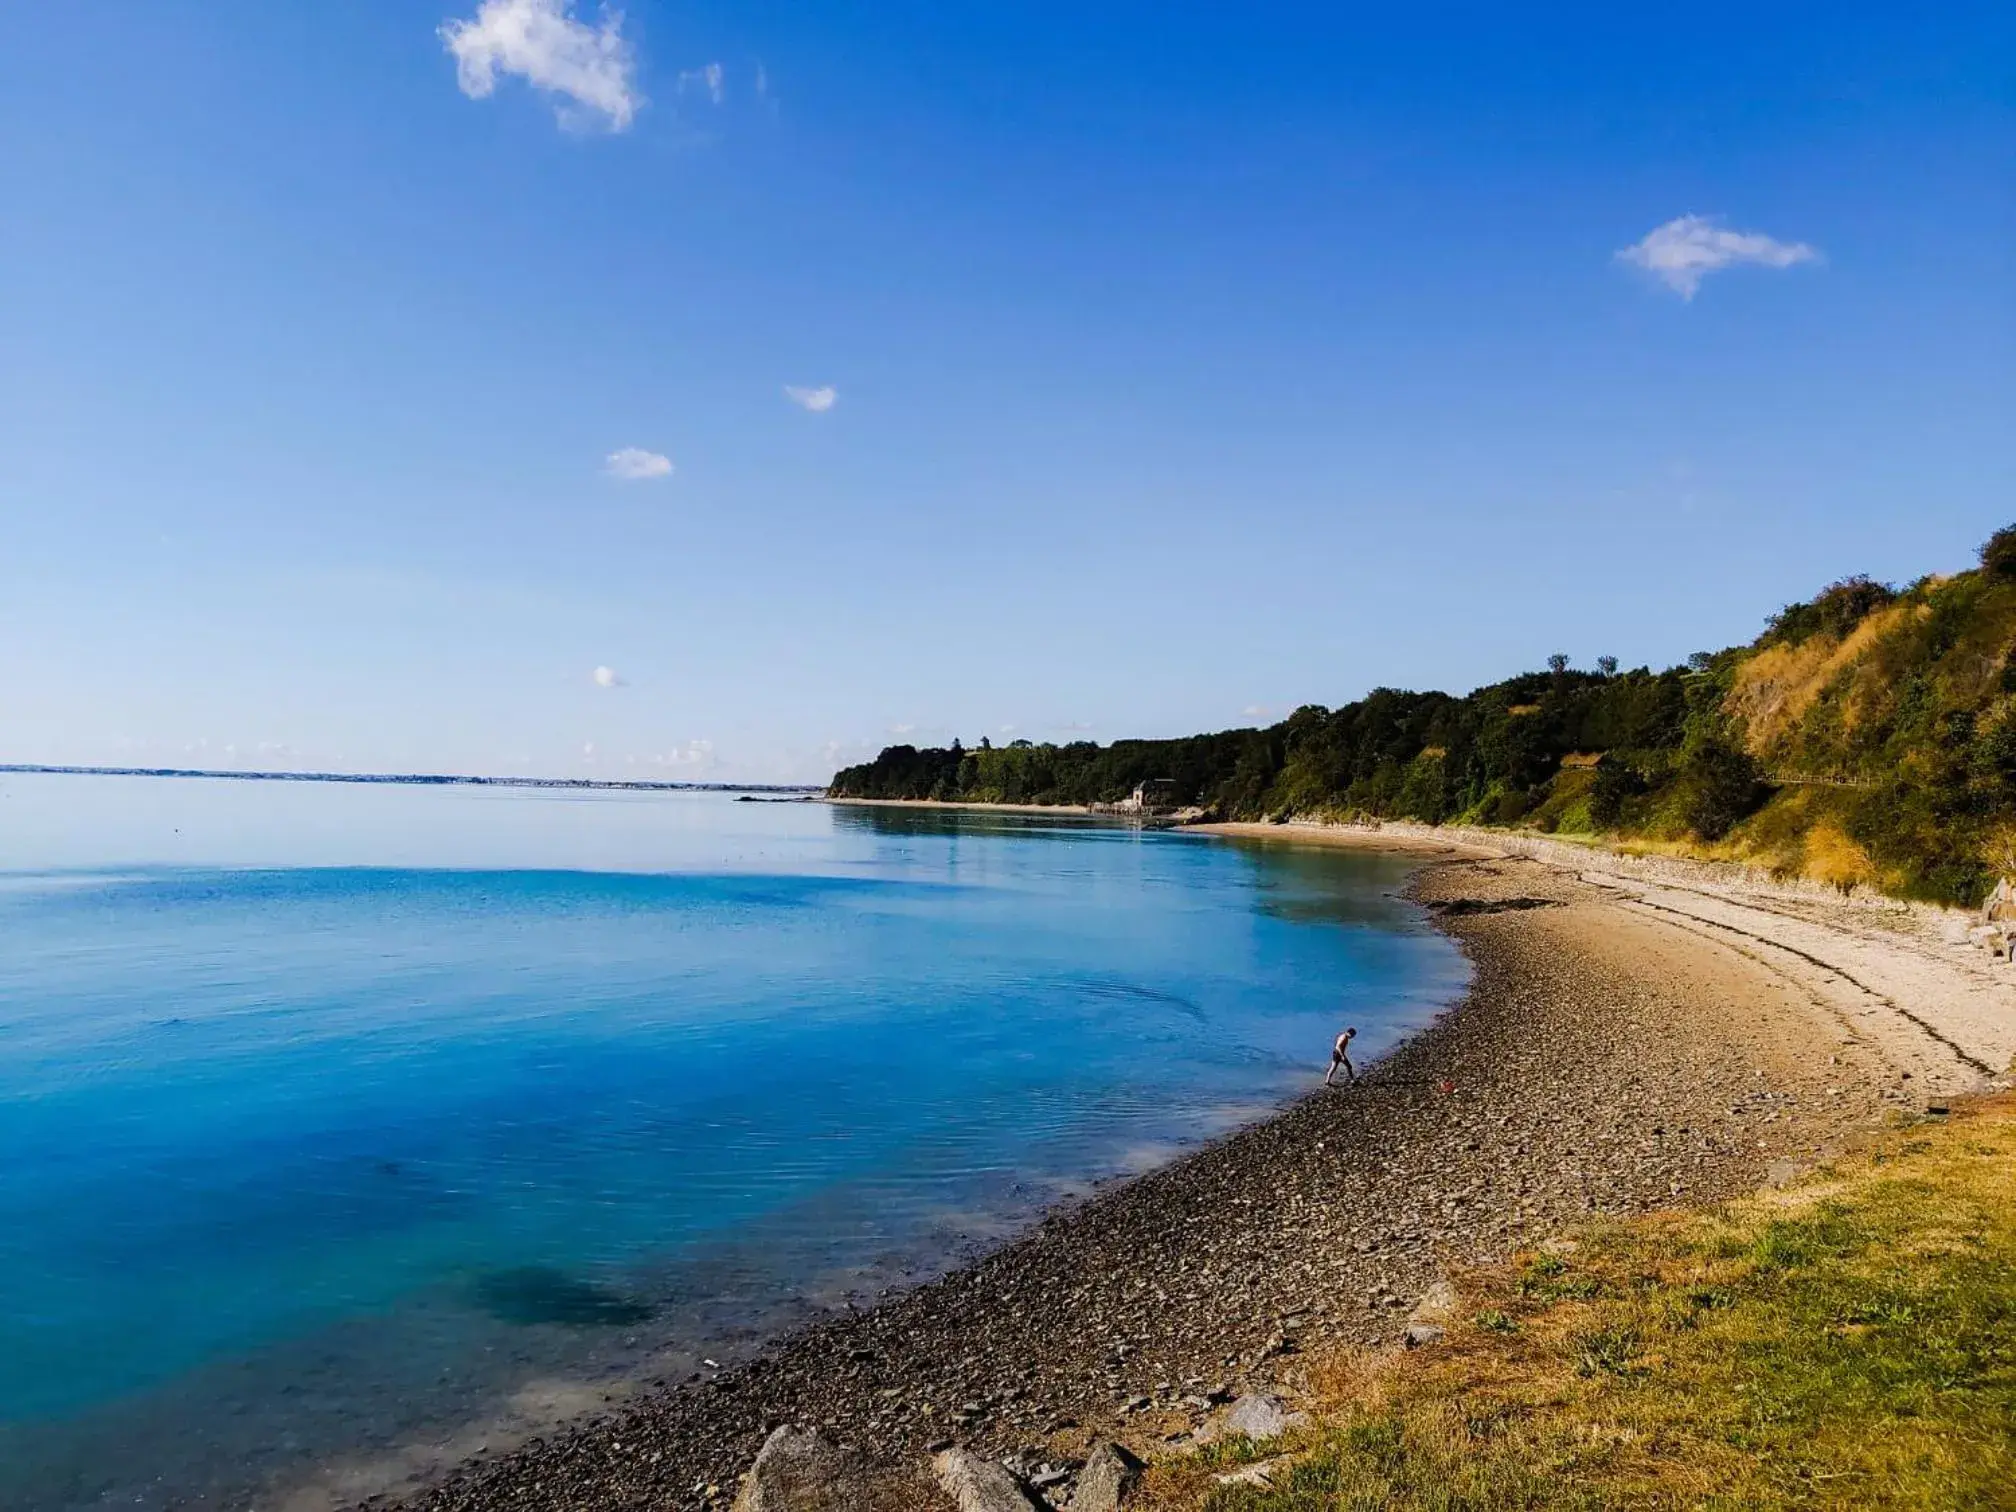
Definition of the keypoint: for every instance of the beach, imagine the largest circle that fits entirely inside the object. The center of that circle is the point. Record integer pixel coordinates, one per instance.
(1633, 1038)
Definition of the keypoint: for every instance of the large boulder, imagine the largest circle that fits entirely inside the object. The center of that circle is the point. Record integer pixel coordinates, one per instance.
(1106, 1479)
(981, 1485)
(798, 1471)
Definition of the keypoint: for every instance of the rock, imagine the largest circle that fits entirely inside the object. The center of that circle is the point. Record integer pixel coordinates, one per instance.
(1260, 1475)
(1257, 1416)
(798, 1471)
(1106, 1479)
(1437, 1304)
(980, 1485)
(1419, 1334)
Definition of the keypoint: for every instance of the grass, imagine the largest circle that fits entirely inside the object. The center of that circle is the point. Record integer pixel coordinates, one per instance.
(1847, 1344)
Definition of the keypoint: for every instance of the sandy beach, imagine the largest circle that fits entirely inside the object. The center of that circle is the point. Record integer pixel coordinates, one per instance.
(1634, 1037)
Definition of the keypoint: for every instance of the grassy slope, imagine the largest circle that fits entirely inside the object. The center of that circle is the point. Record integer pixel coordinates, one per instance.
(1848, 1344)
(1893, 743)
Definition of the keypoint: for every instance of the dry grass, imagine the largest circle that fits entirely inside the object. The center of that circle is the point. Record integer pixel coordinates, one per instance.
(1774, 689)
(1835, 859)
(1850, 1344)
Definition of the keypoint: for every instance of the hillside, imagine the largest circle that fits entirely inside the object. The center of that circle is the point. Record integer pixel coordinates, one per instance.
(1866, 738)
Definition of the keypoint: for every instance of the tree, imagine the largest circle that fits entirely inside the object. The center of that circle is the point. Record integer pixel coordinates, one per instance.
(1607, 665)
(1558, 663)
(1720, 786)
(1998, 554)
(1615, 785)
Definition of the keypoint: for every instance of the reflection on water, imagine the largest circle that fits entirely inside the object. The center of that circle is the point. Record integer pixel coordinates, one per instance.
(341, 1118)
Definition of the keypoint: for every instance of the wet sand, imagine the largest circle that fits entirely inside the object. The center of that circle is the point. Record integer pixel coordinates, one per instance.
(1624, 1046)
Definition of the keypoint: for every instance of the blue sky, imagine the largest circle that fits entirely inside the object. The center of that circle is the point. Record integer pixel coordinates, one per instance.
(1153, 365)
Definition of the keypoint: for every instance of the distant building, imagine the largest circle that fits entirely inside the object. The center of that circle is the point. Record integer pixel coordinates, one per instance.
(1149, 797)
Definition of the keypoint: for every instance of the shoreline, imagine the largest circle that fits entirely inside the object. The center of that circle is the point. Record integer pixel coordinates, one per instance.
(1611, 1056)
(1349, 837)
(1076, 810)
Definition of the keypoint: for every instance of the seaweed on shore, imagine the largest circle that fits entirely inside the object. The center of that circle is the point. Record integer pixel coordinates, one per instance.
(1461, 907)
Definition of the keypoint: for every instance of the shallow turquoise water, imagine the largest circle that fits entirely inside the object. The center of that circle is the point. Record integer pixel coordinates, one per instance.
(332, 1116)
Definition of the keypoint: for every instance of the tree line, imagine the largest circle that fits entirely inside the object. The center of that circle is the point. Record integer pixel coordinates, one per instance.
(1868, 735)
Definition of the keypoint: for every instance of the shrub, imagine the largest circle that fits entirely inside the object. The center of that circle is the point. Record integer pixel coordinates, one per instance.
(1998, 553)
(1835, 609)
(1615, 785)
(1719, 787)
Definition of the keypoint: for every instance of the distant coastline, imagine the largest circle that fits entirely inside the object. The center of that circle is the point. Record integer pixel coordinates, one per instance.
(411, 779)
(1078, 809)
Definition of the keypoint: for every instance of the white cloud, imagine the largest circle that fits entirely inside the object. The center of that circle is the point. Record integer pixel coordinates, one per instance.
(591, 68)
(606, 677)
(1686, 250)
(697, 754)
(817, 400)
(903, 729)
(633, 464)
(713, 78)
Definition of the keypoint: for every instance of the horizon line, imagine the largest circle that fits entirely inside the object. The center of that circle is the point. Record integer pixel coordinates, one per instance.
(410, 779)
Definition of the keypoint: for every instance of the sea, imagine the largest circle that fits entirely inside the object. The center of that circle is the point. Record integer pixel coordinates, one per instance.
(347, 1131)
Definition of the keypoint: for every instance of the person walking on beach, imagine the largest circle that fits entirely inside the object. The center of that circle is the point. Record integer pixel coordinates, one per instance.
(1339, 1056)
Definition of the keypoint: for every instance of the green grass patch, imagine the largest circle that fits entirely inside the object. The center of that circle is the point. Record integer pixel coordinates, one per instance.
(1848, 1344)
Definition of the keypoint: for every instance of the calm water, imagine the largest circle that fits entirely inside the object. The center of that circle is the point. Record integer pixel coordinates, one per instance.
(338, 1119)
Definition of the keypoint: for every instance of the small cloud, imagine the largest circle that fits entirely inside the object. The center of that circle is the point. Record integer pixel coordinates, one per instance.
(713, 78)
(591, 68)
(903, 729)
(1686, 250)
(588, 750)
(633, 464)
(606, 677)
(1257, 711)
(762, 82)
(817, 400)
(693, 755)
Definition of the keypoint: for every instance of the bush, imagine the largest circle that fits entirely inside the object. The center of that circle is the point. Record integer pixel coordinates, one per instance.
(1838, 608)
(1615, 785)
(1998, 554)
(1720, 786)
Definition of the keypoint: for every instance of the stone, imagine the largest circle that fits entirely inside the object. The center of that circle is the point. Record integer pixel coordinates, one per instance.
(1437, 1304)
(797, 1470)
(980, 1485)
(1108, 1476)
(1419, 1334)
(1257, 1416)
(1260, 1476)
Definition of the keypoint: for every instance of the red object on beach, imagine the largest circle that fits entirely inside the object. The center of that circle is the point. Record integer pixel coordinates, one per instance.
(1445, 1087)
